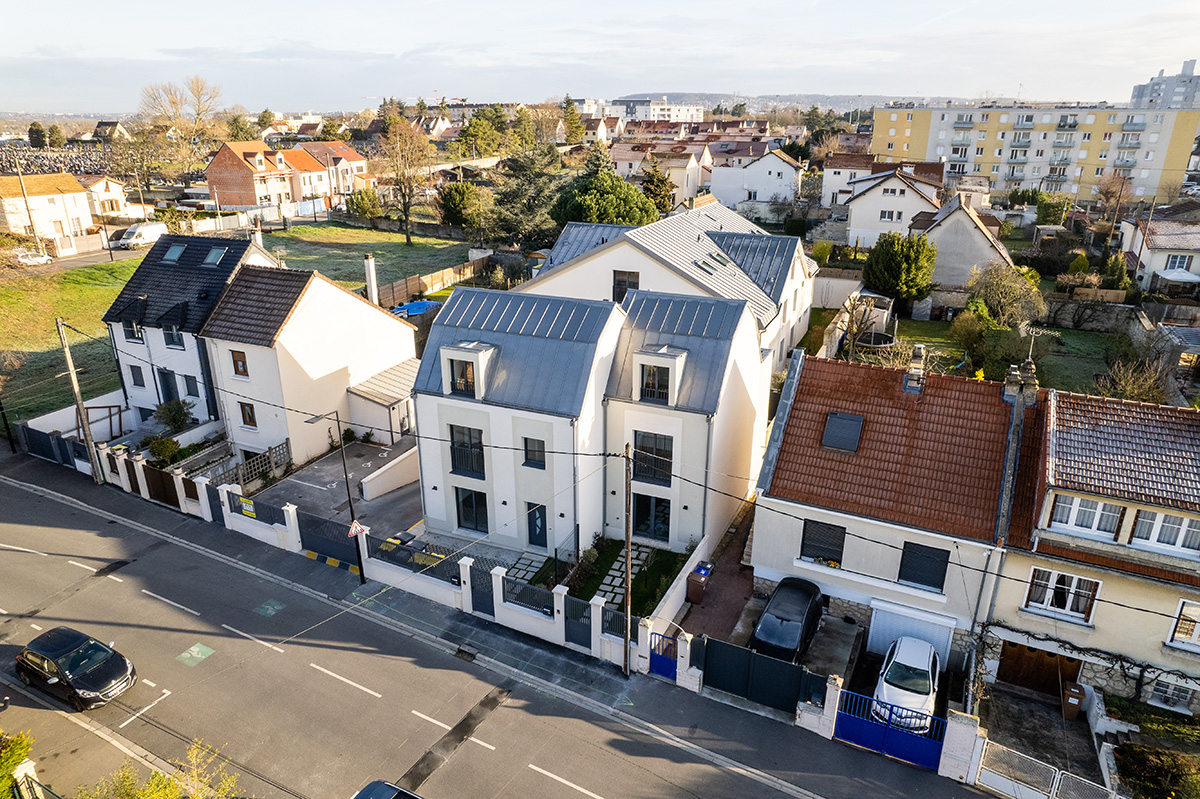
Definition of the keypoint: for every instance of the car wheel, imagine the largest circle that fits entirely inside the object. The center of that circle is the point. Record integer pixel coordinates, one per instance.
(24, 677)
(77, 704)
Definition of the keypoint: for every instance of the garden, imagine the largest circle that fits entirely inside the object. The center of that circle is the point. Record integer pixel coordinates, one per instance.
(1163, 760)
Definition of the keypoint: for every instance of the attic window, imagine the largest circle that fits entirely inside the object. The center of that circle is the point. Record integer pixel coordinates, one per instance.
(173, 253)
(705, 266)
(214, 255)
(721, 259)
(842, 431)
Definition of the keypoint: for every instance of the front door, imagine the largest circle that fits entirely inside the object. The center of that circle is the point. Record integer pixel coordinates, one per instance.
(536, 519)
(166, 382)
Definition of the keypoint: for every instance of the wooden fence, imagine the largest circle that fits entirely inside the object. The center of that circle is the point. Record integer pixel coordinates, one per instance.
(403, 291)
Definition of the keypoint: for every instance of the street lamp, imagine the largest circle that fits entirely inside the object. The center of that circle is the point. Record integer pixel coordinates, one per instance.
(362, 576)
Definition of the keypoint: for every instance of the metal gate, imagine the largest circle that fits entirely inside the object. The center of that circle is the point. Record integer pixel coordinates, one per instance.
(1019, 776)
(775, 683)
(40, 444)
(890, 729)
(214, 504)
(663, 655)
(325, 537)
(578, 622)
(161, 486)
(483, 597)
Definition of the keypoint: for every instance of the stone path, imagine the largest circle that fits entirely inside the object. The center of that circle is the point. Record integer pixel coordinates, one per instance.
(526, 566)
(612, 588)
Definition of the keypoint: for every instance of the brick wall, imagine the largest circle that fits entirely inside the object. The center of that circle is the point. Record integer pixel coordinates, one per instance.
(231, 179)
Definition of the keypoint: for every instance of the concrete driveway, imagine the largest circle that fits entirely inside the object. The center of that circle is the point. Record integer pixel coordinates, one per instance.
(320, 489)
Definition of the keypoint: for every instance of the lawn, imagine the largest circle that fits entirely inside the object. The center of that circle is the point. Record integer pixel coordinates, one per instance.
(30, 355)
(336, 251)
(818, 321)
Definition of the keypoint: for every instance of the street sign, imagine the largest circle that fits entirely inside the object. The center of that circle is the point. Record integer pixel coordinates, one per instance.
(357, 529)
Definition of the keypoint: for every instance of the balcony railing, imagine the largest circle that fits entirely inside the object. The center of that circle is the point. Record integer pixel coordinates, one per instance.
(462, 385)
(1133, 126)
(1068, 125)
(1018, 159)
(1055, 178)
(1015, 176)
(656, 395)
(1125, 162)
(467, 459)
(958, 159)
(1020, 143)
(961, 141)
(1060, 143)
(964, 123)
(1023, 124)
(1129, 144)
(1060, 160)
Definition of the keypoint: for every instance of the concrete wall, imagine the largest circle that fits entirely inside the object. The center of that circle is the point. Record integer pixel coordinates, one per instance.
(64, 419)
(832, 287)
(403, 470)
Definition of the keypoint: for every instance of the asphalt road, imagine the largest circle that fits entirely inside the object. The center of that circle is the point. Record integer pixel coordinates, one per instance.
(74, 262)
(303, 698)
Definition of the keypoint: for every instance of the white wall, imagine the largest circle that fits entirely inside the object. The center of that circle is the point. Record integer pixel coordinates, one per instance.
(837, 182)
(71, 211)
(63, 420)
(151, 354)
(763, 179)
(261, 389)
(865, 226)
(403, 470)
(591, 278)
(961, 247)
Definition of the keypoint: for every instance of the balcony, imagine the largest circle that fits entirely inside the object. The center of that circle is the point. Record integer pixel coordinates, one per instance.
(961, 141)
(1133, 126)
(1017, 159)
(958, 159)
(1068, 124)
(1129, 144)
(961, 124)
(463, 386)
(1020, 143)
(1055, 178)
(1125, 163)
(1063, 143)
(1015, 175)
(1023, 124)
(1060, 160)
(467, 459)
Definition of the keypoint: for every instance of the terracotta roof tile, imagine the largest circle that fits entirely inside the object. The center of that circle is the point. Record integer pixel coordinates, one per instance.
(1118, 564)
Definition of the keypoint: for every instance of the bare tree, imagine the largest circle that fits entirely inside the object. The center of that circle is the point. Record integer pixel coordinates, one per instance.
(858, 321)
(188, 108)
(1113, 191)
(1139, 381)
(405, 157)
(1011, 297)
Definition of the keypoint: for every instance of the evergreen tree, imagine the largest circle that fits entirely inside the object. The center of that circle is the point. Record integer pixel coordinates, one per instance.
(738, 110)
(55, 138)
(901, 267)
(657, 186)
(571, 121)
(599, 195)
(37, 136)
(422, 107)
(479, 137)
(238, 129)
(443, 108)
(527, 186)
(266, 119)
(523, 136)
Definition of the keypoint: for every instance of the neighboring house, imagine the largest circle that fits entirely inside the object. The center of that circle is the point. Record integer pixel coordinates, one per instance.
(154, 323)
(110, 132)
(309, 129)
(433, 126)
(681, 169)
(347, 166)
(248, 174)
(310, 178)
(52, 207)
(795, 133)
(1100, 584)
(888, 489)
(735, 152)
(615, 127)
(286, 345)
(384, 402)
(106, 197)
(887, 202)
(1164, 255)
(771, 178)
(840, 169)
(595, 130)
(964, 239)
(628, 158)
(709, 252)
(647, 130)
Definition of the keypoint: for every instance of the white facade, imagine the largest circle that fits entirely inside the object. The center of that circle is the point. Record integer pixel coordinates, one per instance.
(835, 184)
(887, 206)
(154, 371)
(57, 215)
(1166, 261)
(106, 197)
(770, 178)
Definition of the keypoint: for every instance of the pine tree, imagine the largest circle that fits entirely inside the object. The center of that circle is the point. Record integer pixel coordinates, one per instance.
(55, 138)
(657, 186)
(901, 267)
(37, 136)
(266, 119)
(571, 121)
(422, 107)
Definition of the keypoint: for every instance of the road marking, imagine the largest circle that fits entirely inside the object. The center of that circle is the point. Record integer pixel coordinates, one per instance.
(151, 684)
(34, 626)
(194, 655)
(269, 608)
(82, 566)
(165, 694)
(583, 791)
(437, 723)
(310, 485)
(23, 549)
(348, 682)
(3, 612)
(252, 638)
(114, 577)
(169, 602)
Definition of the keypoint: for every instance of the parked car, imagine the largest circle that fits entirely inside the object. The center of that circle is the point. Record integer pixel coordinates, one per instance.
(908, 682)
(33, 258)
(142, 235)
(73, 666)
(384, 790)
(789, 621)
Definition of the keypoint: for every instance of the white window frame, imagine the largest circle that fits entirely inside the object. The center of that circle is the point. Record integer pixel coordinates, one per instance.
(1148, 531)
(1191, 638)
(1170, 696)
(1179, 261)
(1046, 605)
(1076, 518)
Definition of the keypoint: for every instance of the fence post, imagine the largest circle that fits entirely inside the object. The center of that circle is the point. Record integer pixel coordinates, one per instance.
(642, 649)
(138, 462)
(464, 579)
(821, 720)
(223, 492)
(202, 492)
(560, 619)
(180, 497)
(498, 575)
(597, 604)
(962, 747)
(123, 468)
(685, 675)
(291, 540)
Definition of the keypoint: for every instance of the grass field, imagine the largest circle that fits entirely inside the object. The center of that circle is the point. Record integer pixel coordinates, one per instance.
(336, 251)
(30, 355)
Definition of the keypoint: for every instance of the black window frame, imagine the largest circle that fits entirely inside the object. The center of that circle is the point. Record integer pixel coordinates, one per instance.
(638, 505)
(191, 386)
(472, 516)
(817, 542)
(535, 453)
(653, 456)
(137, 376)
(623, 284)
(466, 452)
(656, 383)
(132, 330)
(464, 385)
(173, 337)
(919, 561)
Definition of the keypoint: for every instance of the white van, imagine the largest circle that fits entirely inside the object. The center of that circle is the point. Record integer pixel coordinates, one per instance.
(142, 235)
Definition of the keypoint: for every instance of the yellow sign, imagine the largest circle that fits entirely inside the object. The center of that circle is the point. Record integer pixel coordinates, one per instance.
(248, 507)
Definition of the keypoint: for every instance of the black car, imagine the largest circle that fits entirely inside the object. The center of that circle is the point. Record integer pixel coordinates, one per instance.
(76, 668)
(789, 621)
(384, 790)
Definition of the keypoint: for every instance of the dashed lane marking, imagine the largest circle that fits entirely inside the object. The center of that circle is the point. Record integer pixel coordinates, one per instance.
(169, 602)
(151, 684)
(437, 723)
(348, 682)
(252, 638)
(165, 694)
(583, 791)
(114, 577)
(82, 566)
(34, 626)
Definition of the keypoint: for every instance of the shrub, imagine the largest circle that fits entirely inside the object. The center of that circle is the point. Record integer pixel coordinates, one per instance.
(1140, 382)
(13, 751)
(822, 250)
(368, 437)
(969, 331)
(796, 226)
(165, 449)
(365, 203)
(1156, 773)
(175, 415)
(348, 436)
(1079, 265)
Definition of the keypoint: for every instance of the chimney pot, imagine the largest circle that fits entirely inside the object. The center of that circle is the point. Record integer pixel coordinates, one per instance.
(1012, 381)
(914, 381)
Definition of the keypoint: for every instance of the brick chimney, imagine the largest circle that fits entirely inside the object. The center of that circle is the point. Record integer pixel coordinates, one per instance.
(914, 380)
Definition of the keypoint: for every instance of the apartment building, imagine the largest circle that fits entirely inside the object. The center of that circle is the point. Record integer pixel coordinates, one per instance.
(1065, 148)
(1169, 91)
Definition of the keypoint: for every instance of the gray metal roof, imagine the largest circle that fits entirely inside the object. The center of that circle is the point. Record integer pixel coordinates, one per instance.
(544, 347)
(579, 238)
(390, 386)
(703, 327)
(766, 259)
(1187, 336)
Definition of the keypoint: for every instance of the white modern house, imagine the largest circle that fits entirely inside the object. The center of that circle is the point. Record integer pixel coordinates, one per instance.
(285, 345)
(887, 202)
(709, 251)
(155, 322)
(1164, 255)
(771, 179)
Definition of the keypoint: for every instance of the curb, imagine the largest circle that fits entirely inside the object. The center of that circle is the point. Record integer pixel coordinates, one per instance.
(328, 561)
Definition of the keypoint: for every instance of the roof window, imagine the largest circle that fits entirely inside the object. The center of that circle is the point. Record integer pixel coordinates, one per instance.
(174, 252)
(842, 431)
(214, 255)
(705, 266)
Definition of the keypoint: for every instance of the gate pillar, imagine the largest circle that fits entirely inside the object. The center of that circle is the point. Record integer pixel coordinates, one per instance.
(291, 538)
(137, 463)
(467, 597)
(202, 492)
(597, 619)
(560, 619)
(822, 720)
(962, 747)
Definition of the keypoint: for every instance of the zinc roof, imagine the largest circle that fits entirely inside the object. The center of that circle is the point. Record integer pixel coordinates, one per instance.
(578, 238)
(390, 386)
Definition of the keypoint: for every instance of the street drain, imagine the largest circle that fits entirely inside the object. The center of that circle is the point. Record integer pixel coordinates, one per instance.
(466, 653)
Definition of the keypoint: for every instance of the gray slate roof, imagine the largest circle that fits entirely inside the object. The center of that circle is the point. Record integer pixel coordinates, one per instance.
(701, 326)
(1173, 235)
(256, 305)
(183, 292)
(390, 386)
(578, 238)
(766, 259)
(545, 346)
(1126, 450)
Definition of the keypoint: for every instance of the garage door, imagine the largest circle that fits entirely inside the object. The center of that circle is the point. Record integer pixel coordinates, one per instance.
(890, 621)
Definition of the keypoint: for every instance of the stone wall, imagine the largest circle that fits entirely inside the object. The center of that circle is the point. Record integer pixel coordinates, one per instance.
(1098, 317)
(1114, 682)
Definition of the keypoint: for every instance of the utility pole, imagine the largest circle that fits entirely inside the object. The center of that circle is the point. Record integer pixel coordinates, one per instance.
(628, 552)
(84, 422)
(1116, 212)
(28, 210)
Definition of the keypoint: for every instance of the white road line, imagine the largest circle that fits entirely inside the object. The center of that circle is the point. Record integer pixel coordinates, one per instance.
(23, 549)
(114, 577)
(34, 626)
(3, 612)
(169, 602)
(252, 638)
(151, 684)
(165, 694)
(82, 566)
(348, 682)
(310, 485)
(583, 791)
(437, 723)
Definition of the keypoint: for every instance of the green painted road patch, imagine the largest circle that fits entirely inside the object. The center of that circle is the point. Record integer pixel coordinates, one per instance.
(197, 653)
(269, 608)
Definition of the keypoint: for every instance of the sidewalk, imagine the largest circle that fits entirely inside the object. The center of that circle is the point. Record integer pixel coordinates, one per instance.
(825, 768)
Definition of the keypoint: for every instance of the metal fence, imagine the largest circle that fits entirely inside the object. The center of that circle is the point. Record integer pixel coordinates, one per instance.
(528, 596)
(1018, 776)
(422, 559)
(326, 537)
(612, 622)
(255, 509)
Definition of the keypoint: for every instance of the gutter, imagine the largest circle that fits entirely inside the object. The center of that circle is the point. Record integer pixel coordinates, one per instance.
(707, 463)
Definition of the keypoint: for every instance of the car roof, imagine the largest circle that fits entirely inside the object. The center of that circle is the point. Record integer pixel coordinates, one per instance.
(792, 598)
(380, 789)
(913, 651)
(57, 642)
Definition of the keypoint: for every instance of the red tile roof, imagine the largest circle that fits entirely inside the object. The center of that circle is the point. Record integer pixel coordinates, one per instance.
(850, 161)
(1030, 488)
(932, 460)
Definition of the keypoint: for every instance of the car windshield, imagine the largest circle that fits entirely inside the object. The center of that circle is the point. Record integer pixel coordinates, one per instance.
(84, 659)
(782, 633)
(908, 678)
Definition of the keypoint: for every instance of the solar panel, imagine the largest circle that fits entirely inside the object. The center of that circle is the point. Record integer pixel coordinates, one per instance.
(842, 431)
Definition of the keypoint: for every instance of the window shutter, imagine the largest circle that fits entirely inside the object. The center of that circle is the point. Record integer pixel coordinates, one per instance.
(922, 565)
(822, 540)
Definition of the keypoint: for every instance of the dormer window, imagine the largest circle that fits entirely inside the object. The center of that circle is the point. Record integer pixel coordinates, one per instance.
(173, 253)
(1086, 515)
(132, 330)
(656, 383)
(172, 336)
(464, 367)
(462, 377)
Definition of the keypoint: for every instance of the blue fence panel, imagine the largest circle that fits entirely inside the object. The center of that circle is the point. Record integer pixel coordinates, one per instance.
(892, 730)
(663, 655)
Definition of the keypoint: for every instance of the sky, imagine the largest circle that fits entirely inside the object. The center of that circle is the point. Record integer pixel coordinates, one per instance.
(76, 57)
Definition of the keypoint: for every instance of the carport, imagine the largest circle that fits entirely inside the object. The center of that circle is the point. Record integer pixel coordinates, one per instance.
(383, 402)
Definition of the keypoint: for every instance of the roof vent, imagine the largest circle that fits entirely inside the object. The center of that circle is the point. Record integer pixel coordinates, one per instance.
(842, 431)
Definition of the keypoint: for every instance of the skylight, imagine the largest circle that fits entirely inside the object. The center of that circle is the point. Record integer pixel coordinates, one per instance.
(842, 431)
(214, 255)
(174, 252)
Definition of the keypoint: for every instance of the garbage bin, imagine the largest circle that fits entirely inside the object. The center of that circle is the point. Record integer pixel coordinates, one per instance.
(1072, 700)
(697, 581)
